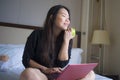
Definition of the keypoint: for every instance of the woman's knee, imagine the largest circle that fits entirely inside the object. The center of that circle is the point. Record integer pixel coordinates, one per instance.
(92, 75)
(32, 74)
(26, 73)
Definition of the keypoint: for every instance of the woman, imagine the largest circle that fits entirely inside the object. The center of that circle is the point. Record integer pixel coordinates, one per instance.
(49, 50)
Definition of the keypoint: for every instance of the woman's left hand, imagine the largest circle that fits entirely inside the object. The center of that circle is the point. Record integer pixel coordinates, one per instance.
(53, 70)
(56, 70)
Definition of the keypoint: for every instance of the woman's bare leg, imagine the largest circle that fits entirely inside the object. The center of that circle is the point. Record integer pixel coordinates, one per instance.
(32, 74)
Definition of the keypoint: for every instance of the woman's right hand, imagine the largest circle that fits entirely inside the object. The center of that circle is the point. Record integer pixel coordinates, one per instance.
(68, 34)
(52, 70)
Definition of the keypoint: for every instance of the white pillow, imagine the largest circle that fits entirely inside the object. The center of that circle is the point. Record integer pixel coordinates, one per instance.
(15, 53)
(75, 56)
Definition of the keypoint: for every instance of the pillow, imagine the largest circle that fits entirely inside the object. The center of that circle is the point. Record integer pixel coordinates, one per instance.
(15, 53)
(75, 56)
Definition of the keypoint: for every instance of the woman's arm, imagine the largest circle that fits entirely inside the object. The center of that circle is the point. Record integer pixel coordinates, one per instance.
(63, 54)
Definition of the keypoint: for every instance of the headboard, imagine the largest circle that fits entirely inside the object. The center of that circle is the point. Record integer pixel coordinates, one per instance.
(4, 24)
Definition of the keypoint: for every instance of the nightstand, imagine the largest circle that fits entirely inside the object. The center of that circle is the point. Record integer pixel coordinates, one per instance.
(96, 59)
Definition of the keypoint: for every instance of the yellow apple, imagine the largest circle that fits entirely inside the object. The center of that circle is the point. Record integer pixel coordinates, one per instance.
(73, 32)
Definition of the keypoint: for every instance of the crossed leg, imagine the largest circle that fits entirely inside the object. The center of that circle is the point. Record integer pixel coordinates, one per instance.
(89, 76)
(32, 74)
(35, 74)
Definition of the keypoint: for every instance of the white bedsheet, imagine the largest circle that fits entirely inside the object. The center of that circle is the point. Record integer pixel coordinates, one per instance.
(99, 77)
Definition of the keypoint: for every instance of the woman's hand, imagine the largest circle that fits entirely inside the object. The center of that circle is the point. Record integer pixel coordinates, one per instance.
(52, 70)
(68, 34)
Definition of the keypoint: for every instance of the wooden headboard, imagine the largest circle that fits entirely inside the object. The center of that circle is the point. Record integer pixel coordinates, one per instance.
(4, 24)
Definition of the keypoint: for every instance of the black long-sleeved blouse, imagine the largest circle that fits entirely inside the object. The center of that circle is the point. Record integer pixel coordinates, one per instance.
(33, 51)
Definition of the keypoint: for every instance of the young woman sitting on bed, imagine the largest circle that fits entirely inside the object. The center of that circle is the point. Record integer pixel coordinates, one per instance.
(49, 50)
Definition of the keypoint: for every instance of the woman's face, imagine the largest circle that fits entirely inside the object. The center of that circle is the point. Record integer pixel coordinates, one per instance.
(62, 19)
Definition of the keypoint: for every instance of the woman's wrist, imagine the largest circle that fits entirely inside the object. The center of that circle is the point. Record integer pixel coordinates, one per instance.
(66, 42)
(43, 68)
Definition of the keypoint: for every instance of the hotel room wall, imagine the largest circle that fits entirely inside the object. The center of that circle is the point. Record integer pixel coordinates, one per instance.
(113, 25)
(33, 12)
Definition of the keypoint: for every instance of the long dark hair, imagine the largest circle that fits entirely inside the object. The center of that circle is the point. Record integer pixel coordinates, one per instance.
(48, 39)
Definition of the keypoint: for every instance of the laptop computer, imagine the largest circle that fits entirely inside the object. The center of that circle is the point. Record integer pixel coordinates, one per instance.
(76, 71)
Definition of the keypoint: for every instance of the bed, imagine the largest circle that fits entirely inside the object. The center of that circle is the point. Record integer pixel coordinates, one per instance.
(12, 69)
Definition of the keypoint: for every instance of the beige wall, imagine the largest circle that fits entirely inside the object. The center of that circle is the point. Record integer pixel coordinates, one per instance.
(33, 12)
(113, 25)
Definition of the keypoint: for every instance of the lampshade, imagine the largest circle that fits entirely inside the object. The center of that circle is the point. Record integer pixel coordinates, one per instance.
(100, 37)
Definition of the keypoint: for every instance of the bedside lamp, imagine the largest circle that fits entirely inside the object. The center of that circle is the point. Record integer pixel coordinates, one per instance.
(100, 37)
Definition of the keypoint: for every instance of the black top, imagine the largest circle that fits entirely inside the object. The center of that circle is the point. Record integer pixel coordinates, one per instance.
(33, 50)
